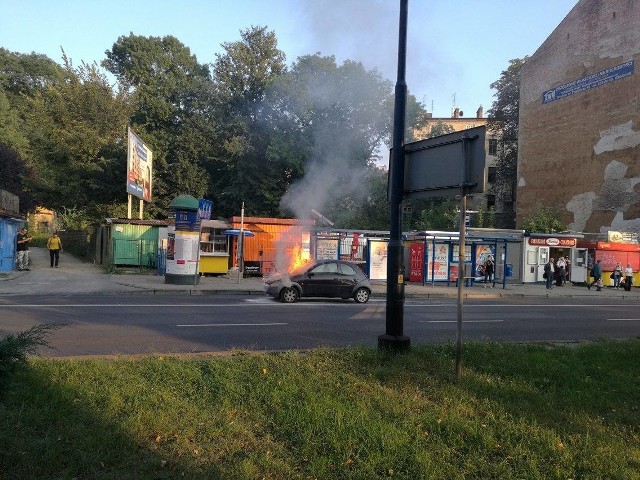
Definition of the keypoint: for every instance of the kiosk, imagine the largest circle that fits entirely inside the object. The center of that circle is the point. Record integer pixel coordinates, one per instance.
(214, 248)
(183, 241)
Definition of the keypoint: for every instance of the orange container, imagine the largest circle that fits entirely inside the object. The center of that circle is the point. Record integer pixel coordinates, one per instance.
(275, 242)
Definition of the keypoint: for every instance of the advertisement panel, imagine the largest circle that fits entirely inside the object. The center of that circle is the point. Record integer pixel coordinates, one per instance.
(482, 253)
(416, 262)
(139, 168)
(327, 249)
(182, 252)
(378, 259)
(438, 264)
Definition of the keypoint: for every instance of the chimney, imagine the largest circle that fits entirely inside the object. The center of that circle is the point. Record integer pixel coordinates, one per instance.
(479, 112)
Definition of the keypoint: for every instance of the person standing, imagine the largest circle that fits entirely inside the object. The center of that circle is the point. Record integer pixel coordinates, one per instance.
(560, 268)
(628, 277)
(489, 267)
(548, 273)
(596, 273)
(22, 249)
(54, 244)
(617, 275)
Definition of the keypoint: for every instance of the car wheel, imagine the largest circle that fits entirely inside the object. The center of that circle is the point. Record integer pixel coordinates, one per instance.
(362, 295)
(289, 295)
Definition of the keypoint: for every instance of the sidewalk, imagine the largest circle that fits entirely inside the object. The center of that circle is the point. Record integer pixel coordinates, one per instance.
(76, 277)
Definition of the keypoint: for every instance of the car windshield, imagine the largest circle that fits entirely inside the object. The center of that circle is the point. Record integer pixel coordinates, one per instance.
(299, 270)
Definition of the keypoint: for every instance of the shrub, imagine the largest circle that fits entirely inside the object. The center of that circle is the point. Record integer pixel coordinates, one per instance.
(14, 349)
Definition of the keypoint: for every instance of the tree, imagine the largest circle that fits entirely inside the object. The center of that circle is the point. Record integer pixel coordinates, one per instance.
(249, 163)
(341, 116)
(544, 220)
(503, 122)
(173, 103)
(76, 132)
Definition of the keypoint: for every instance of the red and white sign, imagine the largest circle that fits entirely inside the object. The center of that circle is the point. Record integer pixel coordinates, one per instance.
(552, 242)
(416, 262)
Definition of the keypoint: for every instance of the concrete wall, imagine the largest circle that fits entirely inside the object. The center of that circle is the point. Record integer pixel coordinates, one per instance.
(581, 153)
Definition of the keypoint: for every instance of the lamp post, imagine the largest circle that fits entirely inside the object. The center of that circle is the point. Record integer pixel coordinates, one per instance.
(394, 339)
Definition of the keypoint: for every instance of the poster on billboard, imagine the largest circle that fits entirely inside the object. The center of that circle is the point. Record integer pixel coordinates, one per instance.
(139, 168)
(378, 259)
(438, 264)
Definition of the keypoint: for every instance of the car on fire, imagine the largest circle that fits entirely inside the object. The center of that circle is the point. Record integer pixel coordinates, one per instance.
(320, 278)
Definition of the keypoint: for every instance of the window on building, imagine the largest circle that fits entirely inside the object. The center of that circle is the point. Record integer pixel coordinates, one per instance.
(493, 146)
(491, 175)
(491, 201)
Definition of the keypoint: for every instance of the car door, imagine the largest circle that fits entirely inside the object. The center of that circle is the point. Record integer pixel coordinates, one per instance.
(346, 280)
(323, 280)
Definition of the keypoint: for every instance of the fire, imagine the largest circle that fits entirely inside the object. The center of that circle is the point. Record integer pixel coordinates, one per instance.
(298, 258)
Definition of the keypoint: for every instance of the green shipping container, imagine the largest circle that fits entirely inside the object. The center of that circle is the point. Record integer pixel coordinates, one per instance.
(134, 244)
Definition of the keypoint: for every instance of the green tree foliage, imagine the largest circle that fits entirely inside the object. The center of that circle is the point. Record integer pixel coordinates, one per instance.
(22, 75)
(76, 131)
(435, 214)
(367, 210)
(440, 128)
(544, 220)
(14, 173)
(341, 116)
(249, 165)
(172, 113)
(503, 121)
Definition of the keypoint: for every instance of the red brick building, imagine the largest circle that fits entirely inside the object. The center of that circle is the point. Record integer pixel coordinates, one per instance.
(579, 134)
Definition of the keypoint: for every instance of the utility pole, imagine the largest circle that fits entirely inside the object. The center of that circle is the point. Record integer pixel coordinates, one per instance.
(394, 339)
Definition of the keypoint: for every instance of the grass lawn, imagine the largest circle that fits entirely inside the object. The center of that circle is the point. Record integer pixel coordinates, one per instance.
(519, 412)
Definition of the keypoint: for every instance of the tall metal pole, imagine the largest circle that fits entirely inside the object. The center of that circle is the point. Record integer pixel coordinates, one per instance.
(461, 254)
(461, 278)
(394, 339)
(240, 252)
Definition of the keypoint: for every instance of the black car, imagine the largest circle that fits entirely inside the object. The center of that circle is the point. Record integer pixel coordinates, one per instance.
(320, 278)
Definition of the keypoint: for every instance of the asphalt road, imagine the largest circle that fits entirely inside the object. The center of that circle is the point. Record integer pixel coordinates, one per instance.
(112, 325)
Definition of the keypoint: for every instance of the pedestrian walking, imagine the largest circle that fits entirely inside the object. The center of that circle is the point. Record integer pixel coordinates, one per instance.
(54, 245)
(22, 249)
(567, 272)
(596, 273)
(549, 271)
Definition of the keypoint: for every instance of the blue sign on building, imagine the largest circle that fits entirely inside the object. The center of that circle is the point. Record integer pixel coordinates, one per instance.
(591, 81)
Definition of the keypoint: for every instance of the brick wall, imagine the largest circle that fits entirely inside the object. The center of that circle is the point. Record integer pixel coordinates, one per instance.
(581, 153)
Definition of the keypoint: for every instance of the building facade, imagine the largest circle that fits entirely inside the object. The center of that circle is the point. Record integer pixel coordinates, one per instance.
(579, 127)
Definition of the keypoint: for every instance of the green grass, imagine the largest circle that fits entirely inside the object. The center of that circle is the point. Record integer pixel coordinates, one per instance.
(519, 412)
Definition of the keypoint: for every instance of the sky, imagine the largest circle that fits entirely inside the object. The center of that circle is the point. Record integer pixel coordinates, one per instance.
(455, 48)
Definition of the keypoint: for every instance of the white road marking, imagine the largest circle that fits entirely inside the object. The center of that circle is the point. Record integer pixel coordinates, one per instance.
(623, 319)
(463, 321)
(230, 324)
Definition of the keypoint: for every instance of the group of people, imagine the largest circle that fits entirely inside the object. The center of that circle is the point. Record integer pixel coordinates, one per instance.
(557, 270)
(54, 245)
(616, 276)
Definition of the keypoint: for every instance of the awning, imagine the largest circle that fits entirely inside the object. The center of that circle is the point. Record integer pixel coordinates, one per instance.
(235, 232)
(215, 224)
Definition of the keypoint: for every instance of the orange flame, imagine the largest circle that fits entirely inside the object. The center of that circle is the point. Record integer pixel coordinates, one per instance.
(298, 258)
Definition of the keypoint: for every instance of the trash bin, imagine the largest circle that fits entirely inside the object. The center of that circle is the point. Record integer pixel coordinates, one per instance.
(508, 272)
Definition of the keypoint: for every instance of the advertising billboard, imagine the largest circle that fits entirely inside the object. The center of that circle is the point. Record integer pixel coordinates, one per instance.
(139, 167)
